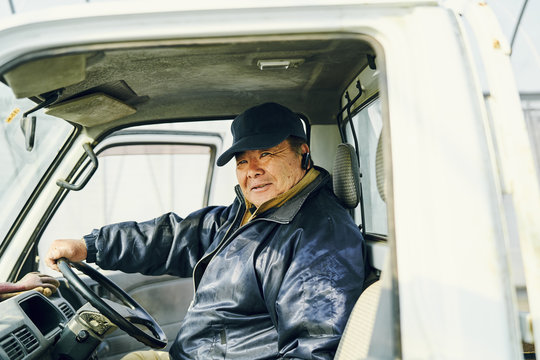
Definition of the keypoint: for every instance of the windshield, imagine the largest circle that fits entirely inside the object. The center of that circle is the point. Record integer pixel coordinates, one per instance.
(21, 169)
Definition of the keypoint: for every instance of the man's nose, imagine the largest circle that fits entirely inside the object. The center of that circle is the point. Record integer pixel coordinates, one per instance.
(254, 168)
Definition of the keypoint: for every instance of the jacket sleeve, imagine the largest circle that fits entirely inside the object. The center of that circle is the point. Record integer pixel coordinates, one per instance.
(165, 245)
(311, 297)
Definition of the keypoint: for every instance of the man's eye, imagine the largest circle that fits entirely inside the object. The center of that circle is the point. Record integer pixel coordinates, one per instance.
(241, 162)
(265, 154)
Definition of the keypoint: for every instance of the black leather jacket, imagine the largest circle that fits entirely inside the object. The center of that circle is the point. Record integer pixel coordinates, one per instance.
(281, 286)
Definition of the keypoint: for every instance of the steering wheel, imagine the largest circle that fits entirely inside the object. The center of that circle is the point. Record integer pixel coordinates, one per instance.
(139, 315)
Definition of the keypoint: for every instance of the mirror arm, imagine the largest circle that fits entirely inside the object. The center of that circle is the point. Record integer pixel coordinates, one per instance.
(49, 99)
(76, 187)
(28, 127)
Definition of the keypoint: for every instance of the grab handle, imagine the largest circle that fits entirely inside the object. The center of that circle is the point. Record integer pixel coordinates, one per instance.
(84, 181)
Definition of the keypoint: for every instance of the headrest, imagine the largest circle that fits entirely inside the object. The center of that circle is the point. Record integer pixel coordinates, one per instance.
(346, 176)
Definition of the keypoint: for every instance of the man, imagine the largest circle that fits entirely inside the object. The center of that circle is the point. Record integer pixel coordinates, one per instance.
(276, 273)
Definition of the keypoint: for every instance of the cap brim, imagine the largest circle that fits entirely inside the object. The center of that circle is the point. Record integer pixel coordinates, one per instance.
(254, 142)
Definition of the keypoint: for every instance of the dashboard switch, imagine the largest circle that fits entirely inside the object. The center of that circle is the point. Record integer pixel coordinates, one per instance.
(82, 336)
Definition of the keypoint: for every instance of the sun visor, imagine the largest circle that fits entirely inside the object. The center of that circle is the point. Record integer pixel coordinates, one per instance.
(91, 110)
(40, 76)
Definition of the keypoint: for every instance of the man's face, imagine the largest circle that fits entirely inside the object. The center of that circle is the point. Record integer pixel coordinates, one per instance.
(265, 174)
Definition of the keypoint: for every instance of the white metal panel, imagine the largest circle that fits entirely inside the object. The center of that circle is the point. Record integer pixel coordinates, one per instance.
(453, 294)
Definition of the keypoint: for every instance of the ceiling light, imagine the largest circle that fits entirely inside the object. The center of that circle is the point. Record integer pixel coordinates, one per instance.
(278, 64)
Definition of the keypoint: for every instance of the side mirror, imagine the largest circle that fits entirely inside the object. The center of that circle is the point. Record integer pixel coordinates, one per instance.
(28, 127)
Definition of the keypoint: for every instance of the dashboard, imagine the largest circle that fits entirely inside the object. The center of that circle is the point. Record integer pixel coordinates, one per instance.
(31, 323)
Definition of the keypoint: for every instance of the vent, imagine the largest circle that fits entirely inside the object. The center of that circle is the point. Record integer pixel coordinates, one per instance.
(12, 347)
(67, 310)
(27, 339)
(19, 343)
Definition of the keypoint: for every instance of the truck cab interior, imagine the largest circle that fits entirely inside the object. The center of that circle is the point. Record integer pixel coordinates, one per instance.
(133, 97)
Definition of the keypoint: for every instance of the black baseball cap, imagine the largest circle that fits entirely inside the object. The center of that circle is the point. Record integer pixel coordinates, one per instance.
(262, 127)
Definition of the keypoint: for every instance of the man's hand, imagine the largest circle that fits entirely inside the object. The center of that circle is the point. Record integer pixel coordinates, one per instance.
(73, 250)
(44, 284)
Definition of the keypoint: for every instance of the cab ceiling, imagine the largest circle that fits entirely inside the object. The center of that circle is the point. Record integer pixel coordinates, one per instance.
(187, 81)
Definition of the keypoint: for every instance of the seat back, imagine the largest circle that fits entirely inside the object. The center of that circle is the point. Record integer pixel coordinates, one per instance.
(357, 334)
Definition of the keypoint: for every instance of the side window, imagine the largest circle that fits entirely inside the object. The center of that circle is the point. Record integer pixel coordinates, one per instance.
(21, 170)
(368, 125)
(141, 175)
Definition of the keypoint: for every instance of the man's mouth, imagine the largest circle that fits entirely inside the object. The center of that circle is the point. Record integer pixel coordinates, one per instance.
(260, 187)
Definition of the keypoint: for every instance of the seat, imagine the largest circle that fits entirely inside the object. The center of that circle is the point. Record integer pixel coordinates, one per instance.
(370, 313)
(357, 334)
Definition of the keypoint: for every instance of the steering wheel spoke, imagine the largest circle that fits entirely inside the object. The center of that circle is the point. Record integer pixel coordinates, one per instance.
(126, 315)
